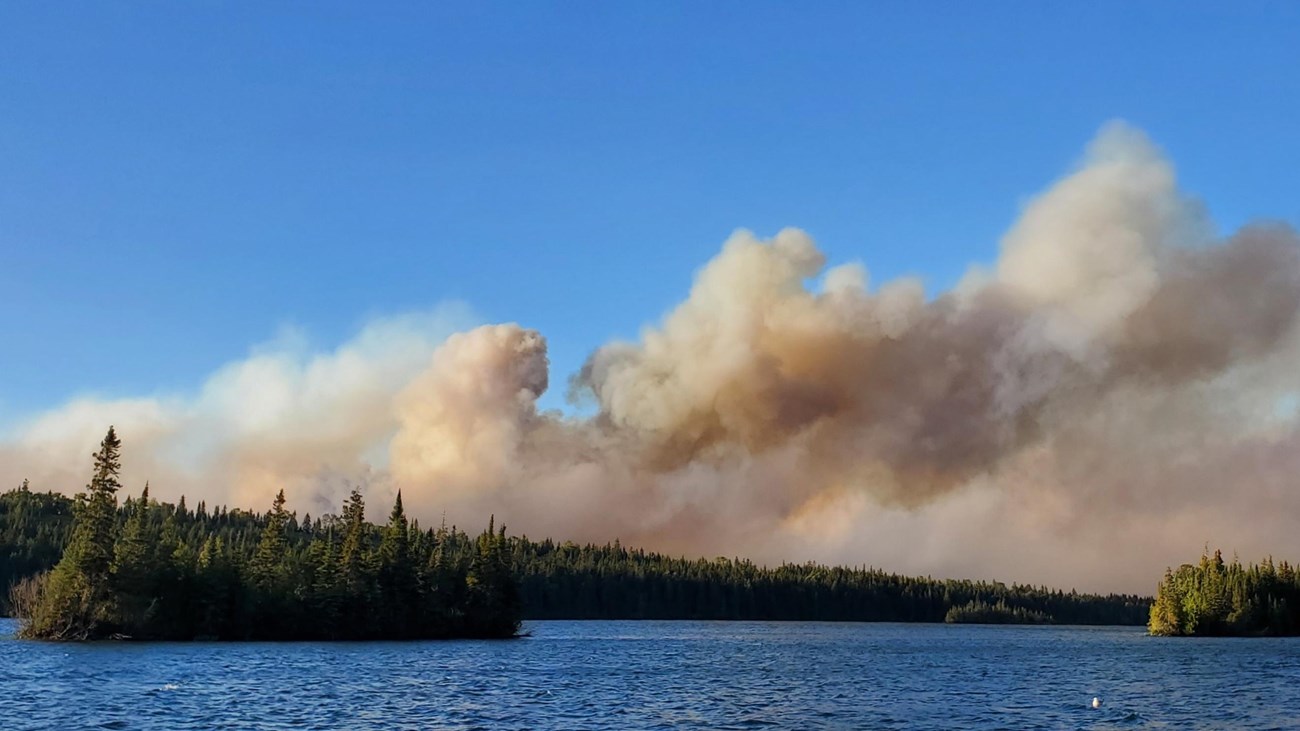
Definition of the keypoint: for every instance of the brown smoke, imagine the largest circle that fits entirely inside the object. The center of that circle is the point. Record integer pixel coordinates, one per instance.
(1117, 391)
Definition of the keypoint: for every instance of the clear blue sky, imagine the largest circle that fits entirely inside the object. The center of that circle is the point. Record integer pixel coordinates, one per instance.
(178, 180)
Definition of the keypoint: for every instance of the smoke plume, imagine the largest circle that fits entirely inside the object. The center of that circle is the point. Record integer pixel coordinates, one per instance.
(1116, 391)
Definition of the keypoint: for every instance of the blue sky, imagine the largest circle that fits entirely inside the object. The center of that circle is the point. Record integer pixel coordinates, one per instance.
(179, 181)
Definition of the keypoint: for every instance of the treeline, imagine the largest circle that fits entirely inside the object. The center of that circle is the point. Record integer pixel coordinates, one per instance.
(567, 581)
(332, 575)
(147, 570)
(613, 582)
(1214, 598)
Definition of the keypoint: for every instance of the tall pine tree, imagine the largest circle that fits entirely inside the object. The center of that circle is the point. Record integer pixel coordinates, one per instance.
(78, 601)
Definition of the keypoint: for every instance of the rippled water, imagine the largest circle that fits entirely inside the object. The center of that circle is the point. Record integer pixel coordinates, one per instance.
(663, 675)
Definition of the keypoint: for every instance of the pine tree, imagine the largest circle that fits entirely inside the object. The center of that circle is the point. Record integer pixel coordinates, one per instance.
(397, 581)
(78, 602)
(444, 582)
(355, 562)
(271, 549)
(96, 551)
(176, 560)
(394, 549)
(494, 608)
(135, 570)
(352, 559)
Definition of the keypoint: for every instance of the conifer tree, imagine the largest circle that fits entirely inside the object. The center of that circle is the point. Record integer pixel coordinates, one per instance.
(94, 552)
(494, 608)
(77, 601)
(397, 580)
(354, 560)
(135, 569)
(270, 550)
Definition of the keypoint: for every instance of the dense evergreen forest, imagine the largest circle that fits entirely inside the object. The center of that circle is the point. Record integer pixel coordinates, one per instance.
(145, 570)
(612, 582)
(230, 573)
(1213, 598)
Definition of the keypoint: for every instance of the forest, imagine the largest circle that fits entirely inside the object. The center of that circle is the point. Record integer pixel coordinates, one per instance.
(147, 569)
(613, 582)
(1214, 598)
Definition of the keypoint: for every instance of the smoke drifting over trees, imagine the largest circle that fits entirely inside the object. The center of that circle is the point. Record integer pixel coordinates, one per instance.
(1117, 390)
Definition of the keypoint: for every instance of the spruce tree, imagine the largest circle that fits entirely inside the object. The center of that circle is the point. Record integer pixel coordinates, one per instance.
(352, 558)
(135, 570)
(354, 562)
(444, 583)
(95, 552)
(495, 603)
(394, 549)
(397, 581)
(78, 602)
(271, 549)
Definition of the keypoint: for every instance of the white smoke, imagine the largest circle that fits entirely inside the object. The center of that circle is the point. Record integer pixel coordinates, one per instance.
(311, 423)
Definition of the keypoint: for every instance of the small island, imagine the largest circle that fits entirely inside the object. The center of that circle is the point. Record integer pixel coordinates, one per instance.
(977, 611)
(1218, 599)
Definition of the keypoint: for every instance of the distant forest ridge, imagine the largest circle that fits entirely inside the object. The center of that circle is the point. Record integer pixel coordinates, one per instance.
(568, 581)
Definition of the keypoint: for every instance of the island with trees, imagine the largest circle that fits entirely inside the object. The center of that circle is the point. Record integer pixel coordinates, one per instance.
(90, 568)
(150, 571)
(1214, 599)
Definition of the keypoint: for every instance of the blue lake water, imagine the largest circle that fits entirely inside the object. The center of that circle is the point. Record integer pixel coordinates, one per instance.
(666, 675)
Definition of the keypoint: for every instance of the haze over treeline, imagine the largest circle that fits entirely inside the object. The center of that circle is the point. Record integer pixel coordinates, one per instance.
(1115, 391)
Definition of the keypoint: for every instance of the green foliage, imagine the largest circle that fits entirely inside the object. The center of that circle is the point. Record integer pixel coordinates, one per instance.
(136, 563)
(223, 573)
(495, 604)
(567, 581)
(78, 597)
(34, 528)
(1214, 598)
(340, 565)
(151, 570)
(980, 612)
(341, 569)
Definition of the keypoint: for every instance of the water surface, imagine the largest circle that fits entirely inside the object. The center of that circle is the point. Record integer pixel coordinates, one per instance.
(666, 675)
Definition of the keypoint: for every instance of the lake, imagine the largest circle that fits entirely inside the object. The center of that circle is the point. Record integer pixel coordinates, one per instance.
(666, 675)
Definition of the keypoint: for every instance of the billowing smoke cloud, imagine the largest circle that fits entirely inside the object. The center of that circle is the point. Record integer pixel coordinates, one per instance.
(1118, 390)
(313, 424)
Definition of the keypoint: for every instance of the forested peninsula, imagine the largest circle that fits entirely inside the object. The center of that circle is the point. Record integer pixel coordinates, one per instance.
(89, 568)
(1215, 599)
(146, 570)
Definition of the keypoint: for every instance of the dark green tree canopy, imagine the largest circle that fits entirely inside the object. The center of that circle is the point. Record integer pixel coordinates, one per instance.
(155, 571)
(228, 573)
